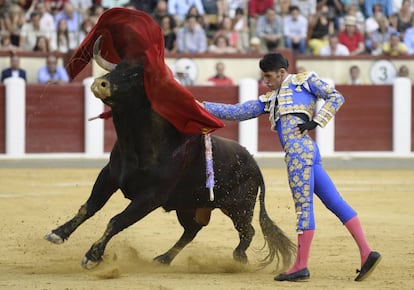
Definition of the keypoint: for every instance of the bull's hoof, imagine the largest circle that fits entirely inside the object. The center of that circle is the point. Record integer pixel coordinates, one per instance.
(53, 238)
(163, 259)
(240, 257)
(89, 264)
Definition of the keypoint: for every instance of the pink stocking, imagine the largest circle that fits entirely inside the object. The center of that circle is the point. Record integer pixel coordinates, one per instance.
(302, 255)
(355, 228)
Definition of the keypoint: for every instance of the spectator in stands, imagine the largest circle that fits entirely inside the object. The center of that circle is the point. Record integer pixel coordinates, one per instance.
(14, 71)
(351, 37)
(221, 44)
(6, 44)
(220, 79)
(85, 27)
(62, 40)
(397, 4)
(42, 45)
(14, 21)
(240, 25)
(52, 73)
(320, 28)
(227, 31)
(295, 30)
(404, 18)
(193, 11)
(46, 19)
(73, 20)
(231, 6)
(255, 46)
(179, 8)
(375, 40)
(95, 12)
(31, 31)
(375, 21)
(181, 75)
(160, 11)
(334, 48)
(386, 5)
(335, 10)
(170, 37)
(191, 38)
(354, 76)
(270, 30)
(404, 71)
(409, 39)
(257, 9)
(352, 9)
(307, 8)
(394, 47)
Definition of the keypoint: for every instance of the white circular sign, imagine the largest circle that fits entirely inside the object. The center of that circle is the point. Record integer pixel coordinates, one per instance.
(189, 65)
(383, 72)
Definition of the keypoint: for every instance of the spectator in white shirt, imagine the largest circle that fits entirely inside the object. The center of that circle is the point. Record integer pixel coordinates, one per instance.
(295, 30)
(30, 31)
(191, 38)
(334, 48)
(46, 19)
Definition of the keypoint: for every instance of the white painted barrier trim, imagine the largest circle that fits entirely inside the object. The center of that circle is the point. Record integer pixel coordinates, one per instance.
(94, 130)
(249, 130)
(15, 115)
(401, 126)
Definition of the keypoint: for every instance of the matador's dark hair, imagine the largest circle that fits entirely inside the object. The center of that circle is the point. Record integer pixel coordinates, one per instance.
(273, 62)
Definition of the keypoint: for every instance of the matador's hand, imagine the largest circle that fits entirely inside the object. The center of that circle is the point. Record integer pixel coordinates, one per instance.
(307, 126)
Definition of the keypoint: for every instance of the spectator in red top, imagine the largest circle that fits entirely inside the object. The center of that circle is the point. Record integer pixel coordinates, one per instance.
(351, 37)
(220, 79)
(257, 8)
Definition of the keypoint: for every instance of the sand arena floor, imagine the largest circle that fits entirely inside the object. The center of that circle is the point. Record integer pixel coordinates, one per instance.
(35, 200)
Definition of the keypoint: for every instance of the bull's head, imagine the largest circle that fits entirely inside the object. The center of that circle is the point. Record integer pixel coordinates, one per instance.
(124, 80)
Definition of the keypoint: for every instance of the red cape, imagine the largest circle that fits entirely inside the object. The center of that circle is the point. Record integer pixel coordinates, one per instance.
(134, 36)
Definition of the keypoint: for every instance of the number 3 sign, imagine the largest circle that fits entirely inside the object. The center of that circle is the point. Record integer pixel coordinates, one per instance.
(383, 72)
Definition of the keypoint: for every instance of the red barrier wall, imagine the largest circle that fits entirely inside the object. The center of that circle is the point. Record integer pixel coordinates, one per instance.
(54, 118)
(364, 123)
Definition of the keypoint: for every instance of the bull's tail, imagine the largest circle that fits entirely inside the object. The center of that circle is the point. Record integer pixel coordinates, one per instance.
(279, 245)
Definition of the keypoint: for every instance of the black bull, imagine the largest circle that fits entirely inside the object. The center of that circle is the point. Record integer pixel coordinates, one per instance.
(154, 165)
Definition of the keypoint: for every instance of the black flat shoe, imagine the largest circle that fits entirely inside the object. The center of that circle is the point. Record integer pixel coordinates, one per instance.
(373, 259)
(301, 275)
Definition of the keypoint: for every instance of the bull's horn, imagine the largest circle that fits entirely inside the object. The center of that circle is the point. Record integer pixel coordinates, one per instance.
(103, 63)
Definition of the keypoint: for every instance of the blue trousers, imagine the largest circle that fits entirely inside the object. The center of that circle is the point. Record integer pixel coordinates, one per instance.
(307, 176)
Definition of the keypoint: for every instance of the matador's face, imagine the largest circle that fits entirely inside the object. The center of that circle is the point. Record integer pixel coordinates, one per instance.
(273, 79)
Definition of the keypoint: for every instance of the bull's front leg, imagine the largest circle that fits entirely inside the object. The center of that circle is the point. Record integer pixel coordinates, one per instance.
(135, 211)
(102, 190)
